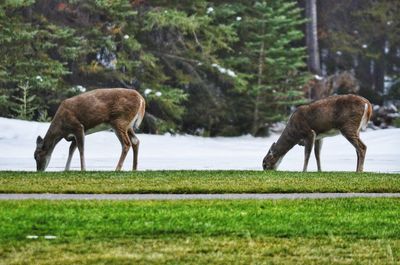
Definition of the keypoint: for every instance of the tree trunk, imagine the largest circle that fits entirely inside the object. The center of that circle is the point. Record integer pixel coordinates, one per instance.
(259, 82)
(380, 69)
(312, 37)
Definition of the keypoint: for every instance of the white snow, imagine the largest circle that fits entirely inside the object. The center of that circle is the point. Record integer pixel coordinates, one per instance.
(50, 237)
(223, 70)
(102, 150)
(230, 73)
(80, 88)
(318, 77)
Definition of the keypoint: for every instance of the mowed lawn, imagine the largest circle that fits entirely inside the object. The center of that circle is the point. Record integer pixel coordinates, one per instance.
(327, 231)
(196, 182)
(332, 231)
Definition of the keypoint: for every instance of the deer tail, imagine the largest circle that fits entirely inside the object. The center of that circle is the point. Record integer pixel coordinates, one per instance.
(366, 115)
(369, 111)
(140, 114)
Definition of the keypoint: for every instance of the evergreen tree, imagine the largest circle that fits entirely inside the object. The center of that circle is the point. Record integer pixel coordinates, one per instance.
(186, 42)
(220, 67)
(34, 51)
(23, 107)
(271, 61)
(158, 49)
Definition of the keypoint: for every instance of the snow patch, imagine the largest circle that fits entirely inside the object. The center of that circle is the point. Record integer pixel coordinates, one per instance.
(223, 70)
(157, 152)
(147, 91)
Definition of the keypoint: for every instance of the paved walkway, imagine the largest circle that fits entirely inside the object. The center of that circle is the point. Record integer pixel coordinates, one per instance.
(243, 196)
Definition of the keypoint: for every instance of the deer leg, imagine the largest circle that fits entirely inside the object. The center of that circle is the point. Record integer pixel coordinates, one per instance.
(123, 137)
(72, 149)
(363, 150)
(317, 152)
(80, 142)
(135, 146)
(308, 145)
(360, 147)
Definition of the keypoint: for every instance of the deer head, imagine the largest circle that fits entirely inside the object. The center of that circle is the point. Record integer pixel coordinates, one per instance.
(271, 160)
(41, 155)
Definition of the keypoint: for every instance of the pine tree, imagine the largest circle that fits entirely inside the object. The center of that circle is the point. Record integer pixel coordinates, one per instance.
(186, 43)
(273, 64)
(23, 108)
(161, 49)
(202, 65)
(34, 51)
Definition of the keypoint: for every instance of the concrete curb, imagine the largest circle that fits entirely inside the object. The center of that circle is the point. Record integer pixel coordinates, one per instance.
(243, 196)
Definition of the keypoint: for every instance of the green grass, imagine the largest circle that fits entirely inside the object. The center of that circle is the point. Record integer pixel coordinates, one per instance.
(332, 231)
(196, 182)
(341, 231)
(207, 250)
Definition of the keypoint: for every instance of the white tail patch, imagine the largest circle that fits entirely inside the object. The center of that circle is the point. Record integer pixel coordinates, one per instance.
(364, 118)
(137, 120)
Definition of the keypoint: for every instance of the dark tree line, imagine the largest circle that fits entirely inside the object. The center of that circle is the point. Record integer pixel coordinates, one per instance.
(205, 67)
(363, 36)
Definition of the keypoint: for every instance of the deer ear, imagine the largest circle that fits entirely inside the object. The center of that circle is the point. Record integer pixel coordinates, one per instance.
(39, 141)
(271, 149)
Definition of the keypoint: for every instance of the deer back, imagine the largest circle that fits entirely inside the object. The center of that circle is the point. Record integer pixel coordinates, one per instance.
(335, 112)
(100, 106)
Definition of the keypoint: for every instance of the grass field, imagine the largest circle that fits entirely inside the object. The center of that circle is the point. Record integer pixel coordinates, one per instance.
(341, 231)
(329, 231)
(196, 182)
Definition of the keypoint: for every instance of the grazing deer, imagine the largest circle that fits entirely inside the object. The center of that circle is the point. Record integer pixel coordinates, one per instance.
(345, 114)
(119, 107)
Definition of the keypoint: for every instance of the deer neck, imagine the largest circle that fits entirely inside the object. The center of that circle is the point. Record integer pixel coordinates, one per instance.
(286, 141)
(52, 137)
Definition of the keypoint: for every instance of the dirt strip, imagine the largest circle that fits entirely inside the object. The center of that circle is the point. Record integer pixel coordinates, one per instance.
(243, 196)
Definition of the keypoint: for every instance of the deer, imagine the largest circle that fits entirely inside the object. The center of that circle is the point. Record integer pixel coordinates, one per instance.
(120, 108)
(309, 124)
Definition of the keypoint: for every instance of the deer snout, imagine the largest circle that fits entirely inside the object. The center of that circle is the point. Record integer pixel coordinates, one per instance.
(266, 164)
(42, 160)
(40, 165)
(270, 162)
